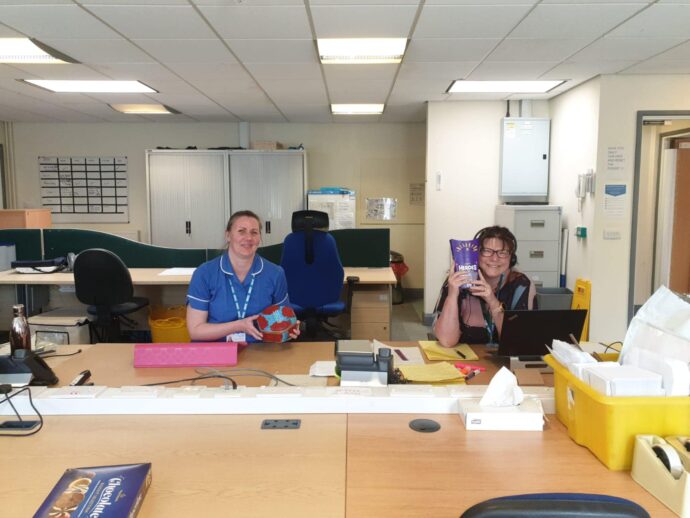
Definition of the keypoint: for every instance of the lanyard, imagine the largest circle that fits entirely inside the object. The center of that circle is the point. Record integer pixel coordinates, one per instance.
(241, 314)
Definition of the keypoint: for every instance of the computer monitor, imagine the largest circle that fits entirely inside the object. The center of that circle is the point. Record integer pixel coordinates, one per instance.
(527, 333)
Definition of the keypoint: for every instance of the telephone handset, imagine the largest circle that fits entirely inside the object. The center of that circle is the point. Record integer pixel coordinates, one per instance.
(23, 361)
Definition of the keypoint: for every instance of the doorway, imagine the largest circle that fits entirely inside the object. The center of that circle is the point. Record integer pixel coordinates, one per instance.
(659, 243)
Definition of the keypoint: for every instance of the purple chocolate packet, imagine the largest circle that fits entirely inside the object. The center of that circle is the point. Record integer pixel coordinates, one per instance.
(466, 257)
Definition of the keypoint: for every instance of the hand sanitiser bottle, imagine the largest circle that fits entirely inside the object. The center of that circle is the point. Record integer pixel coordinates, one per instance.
(20, 335)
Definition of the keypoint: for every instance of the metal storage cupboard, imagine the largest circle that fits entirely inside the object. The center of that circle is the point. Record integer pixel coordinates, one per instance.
(537, 229)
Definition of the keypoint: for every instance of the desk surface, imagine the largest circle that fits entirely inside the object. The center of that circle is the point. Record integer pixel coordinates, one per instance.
(151, 276)
(355, 466)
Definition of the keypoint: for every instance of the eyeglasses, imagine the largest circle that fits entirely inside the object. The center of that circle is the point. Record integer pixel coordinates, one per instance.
(488, 252)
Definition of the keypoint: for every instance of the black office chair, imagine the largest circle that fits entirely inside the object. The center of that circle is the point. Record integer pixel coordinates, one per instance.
(314, 275)
(556, 505)
(102, 281)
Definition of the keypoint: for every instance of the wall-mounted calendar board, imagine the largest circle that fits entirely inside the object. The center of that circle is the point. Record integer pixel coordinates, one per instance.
(85, 189)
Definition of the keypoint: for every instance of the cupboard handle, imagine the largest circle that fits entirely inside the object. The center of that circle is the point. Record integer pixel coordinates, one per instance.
(536, 253)
(537, 223)
(188, 227)
(268, 227)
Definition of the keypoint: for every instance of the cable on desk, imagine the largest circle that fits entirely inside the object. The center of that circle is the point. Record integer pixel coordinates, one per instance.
(31, 402)
(198, 378)
(250, 372)
(611, 346)
(56, 355)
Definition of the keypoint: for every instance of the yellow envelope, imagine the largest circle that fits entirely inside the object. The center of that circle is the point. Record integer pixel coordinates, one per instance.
(435, 351)
(431, 372)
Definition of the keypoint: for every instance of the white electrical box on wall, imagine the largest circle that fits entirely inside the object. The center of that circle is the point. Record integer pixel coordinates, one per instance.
(524, 160)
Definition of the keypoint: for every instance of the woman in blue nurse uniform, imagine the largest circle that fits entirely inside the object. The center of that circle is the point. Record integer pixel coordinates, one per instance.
(227, 293)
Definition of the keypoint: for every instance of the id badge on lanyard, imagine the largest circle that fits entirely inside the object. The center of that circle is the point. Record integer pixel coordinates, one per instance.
(240, 337)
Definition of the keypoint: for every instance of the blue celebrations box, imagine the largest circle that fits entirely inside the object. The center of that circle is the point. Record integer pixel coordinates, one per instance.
(98, 492)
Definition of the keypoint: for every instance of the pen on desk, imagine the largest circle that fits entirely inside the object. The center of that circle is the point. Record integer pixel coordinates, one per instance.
(400, 353)
(471, 375)
(461, 354)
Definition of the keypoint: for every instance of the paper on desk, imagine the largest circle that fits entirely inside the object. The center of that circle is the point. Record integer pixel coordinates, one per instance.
(178, 271)
(402, 355)
(435, 351)
(431, 372)
(322, 368)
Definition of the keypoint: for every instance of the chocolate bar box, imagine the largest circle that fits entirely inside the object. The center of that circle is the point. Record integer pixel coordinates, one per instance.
(98, 492)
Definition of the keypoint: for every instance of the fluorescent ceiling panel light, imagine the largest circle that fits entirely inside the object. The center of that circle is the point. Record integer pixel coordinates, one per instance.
(27, 50)
(143, 109)
(356, 109)
(361, 50)
(92, 86)
(513, 87)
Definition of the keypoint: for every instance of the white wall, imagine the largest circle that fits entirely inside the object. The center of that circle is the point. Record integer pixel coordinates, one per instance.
(574, 131)
(374, 159)
(621, 98)
(463, 144)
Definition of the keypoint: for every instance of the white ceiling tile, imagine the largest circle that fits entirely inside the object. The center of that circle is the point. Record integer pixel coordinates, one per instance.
(532, 49)
(571, 69)
(573, 21)
(486, 2)
(607, 49)
(654, 66)
(248, 3)
(657, 21)
(119, 98)
(306, 112)
(130, 2)
(264, 112)
(212, 74)
(6, 32)
(639, 2)
(100, 51)
(431, 70)
(284, 70)
(291, 91)
(356, 119)
(154, 21)
(187, 50)
(239, 22)
(365, 2)
(354, 21)
(405, 91)
(512, 70)
(54, 21)
(36, 71)
(137, 71)
(471, 21)
(274, 51)
(358, 91)
(449, 49)
(679, 52)
(359, 72)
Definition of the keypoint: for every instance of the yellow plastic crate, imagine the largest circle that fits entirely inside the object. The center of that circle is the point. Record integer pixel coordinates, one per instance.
(607, 425)
(168, 324)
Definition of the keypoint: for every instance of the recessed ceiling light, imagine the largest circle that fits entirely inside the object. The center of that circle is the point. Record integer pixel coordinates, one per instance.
(92, 86)
(143, 109)
(356, 109)
(27, 50)
(514, 87)
(361, 50)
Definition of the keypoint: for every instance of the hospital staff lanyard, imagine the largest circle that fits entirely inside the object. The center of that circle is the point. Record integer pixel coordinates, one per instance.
(241, 314)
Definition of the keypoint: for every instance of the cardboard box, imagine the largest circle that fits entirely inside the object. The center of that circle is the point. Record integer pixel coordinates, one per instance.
(267, 145)
(527, 416)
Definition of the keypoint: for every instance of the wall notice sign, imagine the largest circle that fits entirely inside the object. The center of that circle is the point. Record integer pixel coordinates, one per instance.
(382, 208)
(614, 200)
(416, 194)
(615, 160)
(85, 189)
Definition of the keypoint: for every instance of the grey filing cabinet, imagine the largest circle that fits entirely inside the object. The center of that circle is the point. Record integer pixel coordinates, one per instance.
(537, 229)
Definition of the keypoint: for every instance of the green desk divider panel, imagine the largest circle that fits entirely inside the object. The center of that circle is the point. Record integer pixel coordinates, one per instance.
(272, 252)
(363, 247)
(60, 242)
(27, 242)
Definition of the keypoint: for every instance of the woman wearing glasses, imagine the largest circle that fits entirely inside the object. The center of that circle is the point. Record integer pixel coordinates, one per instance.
(475, 314)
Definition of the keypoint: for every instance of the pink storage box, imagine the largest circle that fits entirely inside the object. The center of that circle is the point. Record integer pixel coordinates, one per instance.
(195, 354)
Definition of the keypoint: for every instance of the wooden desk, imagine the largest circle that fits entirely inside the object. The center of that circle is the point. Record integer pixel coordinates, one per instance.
(354, 466)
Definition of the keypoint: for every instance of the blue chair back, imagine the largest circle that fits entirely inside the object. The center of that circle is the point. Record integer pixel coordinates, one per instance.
(313, 269)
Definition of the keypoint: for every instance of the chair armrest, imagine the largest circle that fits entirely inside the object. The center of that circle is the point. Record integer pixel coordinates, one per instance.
(351, 281)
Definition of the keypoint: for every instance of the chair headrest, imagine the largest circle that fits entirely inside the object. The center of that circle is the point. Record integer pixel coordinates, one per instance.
(309, 220)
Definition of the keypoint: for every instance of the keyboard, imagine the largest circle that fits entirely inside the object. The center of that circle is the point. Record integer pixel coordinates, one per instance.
(196, 354)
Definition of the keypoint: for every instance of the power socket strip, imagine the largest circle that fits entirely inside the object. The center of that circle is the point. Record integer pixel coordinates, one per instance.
(281, 424)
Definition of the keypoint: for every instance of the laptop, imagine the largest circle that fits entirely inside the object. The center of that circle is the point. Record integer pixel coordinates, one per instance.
(526, 334)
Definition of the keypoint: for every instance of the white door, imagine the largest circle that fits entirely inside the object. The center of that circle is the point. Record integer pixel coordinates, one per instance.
(208, 209)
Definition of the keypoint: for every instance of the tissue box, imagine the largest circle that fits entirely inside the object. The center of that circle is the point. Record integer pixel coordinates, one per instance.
(626, 380)
(527, 416)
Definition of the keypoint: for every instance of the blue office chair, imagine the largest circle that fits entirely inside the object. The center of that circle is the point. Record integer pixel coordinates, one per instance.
(314, 275)
(556, 505)
(103, 282)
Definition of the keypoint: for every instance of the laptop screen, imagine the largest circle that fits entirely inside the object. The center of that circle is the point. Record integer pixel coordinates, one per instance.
(527, 333)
